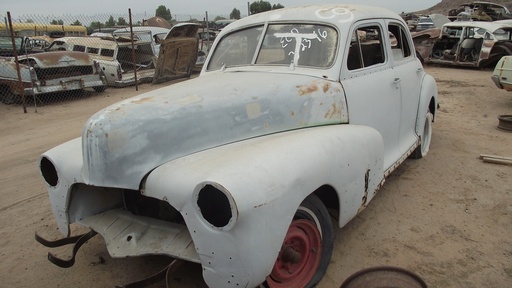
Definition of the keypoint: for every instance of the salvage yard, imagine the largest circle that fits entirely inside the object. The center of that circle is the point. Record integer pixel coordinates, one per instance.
(446, 217)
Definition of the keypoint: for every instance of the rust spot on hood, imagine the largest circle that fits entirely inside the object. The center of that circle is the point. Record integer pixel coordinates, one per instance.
(327, 86)
(334, 112)
(313, 87)
(307, 89)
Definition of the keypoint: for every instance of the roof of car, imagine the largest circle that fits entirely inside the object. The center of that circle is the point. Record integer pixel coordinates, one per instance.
(337, 14)
(89, 41)
(490, 26)
(97, 42)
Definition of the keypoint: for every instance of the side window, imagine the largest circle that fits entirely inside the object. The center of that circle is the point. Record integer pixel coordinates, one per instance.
(92, 50)
(400, 47)
(79, 48)
(366, 48)
(107, 52)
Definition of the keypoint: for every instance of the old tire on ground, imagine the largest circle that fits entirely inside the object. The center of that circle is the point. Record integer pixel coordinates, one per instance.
(99, 88)
(307, 247)
(425, 136)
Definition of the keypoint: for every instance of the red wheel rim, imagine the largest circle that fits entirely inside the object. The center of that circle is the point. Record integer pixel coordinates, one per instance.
(299, 257)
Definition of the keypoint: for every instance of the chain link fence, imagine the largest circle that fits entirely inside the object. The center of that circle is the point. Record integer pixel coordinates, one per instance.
(48, 59)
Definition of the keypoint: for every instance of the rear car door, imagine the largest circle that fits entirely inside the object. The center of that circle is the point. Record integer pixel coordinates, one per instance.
(371, 87)
(408, 71)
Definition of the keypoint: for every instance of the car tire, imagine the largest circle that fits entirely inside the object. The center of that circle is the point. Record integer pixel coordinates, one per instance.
(99, 89)
(7, 97)
(425, 138)
(299, 264)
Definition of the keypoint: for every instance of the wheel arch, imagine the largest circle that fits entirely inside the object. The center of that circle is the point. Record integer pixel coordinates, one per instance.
(330, 198)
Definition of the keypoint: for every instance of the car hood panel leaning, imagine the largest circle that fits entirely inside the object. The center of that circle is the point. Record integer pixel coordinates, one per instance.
(125, 141)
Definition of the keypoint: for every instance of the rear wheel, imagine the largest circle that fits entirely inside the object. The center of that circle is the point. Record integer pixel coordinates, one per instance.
(422, 150)
(307, 247)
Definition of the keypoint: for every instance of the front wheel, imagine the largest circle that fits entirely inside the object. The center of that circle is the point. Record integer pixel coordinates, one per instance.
(99, 89)
(307, 247)
(422, 150)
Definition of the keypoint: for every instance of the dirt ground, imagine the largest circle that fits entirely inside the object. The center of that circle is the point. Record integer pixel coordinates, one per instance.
(446, 217)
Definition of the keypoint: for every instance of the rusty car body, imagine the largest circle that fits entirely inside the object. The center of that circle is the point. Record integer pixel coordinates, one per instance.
(121, 67)
(241, 168)
(24, 45)
(48, 72)
(469, 44)
(480, 11)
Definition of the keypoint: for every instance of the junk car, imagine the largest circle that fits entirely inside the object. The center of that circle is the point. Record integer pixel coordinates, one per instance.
(469, 44)
(294, 119)
(480, 11)
(48, 72)
(502, 73)
(121, 66)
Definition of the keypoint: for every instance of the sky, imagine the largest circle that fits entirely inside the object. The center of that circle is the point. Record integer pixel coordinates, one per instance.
(18, 8)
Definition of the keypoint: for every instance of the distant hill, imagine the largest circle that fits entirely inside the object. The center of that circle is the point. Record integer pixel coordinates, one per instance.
(446, 5)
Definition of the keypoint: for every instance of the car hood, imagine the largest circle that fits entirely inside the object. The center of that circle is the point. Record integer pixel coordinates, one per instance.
(125, 141)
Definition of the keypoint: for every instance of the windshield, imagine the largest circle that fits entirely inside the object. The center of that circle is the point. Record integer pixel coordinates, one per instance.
(6, 43)
(308, 45)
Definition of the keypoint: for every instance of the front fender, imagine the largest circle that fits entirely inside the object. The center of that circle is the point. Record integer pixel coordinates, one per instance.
(66, 160)
(266, 179)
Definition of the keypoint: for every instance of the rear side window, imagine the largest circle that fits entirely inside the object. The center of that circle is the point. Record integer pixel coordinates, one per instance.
(400, 48)
(366, 47)
(107, 52)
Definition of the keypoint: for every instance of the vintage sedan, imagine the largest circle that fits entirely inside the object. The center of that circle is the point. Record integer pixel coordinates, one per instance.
(47, 72)
(468, 44)
(294, 119)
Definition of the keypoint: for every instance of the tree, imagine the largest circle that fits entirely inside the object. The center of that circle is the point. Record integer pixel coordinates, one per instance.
(57, 22)
(163, 12)
(94, 25)
(260, 6)
(121, 21)
(76, 23)
(111, 22)
(235, 14)
(277, 6)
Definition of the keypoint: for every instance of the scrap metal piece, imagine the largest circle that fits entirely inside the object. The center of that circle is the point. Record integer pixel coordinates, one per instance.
(78, 241)
(384, 276)
(505, 122)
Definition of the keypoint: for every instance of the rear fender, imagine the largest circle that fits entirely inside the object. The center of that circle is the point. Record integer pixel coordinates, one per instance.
(428, 101)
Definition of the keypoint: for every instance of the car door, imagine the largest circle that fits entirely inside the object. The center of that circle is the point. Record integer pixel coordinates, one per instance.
(409, 72)
(371, 86)
(178, 53)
